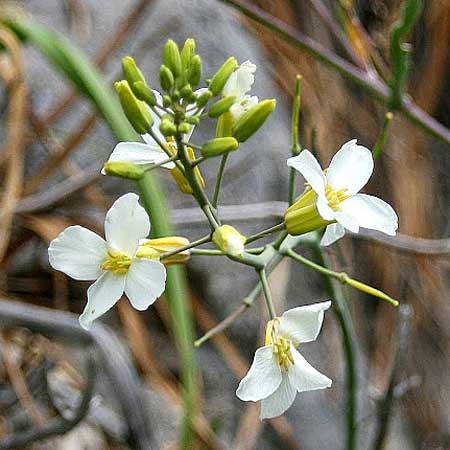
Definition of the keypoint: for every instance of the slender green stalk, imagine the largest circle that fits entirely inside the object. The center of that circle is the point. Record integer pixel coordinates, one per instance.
(193, 244)
(382, 137)
(223, 163)
(155, 166)
(267, 293)
(210, 252)
(295, 149)
(264, 233)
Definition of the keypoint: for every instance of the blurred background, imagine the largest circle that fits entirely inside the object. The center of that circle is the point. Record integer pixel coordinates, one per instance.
(119, 386)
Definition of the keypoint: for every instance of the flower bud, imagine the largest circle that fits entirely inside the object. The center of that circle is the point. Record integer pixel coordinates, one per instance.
(253, 119)
(303, 216)
(165, 245)
(137, 112)
(184, 128)
(186, 91)
(143, 92)
(123, 169)
(167, 101)
(195, 70)
(166, 78)
(193, 120)
(221, 106)
(204, 98)
(187, 53)
(229, 240)
(131, 71)
(219, 146)
(224, 125)
(172, 57)
(221, 76)
(168, 128)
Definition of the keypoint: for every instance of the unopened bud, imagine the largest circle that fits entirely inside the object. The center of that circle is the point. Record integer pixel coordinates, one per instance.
(219, 146)
(172, 57)
(143, 92)
(184, 128)
(195, 70)
(193, 120)
(224, 125)
(167, 101)
(131, 71)
(165, 245)
(229, 240)
(253, 119)
(187, 53)
(204, 98)
(221, 76)
(123, 169)
(137, 112)
(186, 91)
(221, 106)
(168, 128)
(166, 78)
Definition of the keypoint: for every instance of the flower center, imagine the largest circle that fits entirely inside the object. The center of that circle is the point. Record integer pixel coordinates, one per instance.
(117, 262)
(281, 345)
(336, 197)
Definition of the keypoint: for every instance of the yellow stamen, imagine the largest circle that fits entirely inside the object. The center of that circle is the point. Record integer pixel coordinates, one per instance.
(117, 262)
(336, 197)
(281, 345)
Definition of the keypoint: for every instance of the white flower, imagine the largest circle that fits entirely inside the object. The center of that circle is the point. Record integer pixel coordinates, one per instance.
(83, 255)
(337, 192)
(148, 152)
(278, 370)
(239, 83)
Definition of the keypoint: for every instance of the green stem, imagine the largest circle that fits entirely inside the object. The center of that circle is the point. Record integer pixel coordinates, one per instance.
(267, 293)
(295, 149)
(261, 234)
(220, 174)
(193, 244)
(382, 137)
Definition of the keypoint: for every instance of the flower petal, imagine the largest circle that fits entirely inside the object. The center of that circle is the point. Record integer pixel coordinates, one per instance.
(348, 221)
(305, 377)
(146, 281)
(332, 233)
(240, 81)
(102, 296)
(139, 153)
(277, 403)
(303, 324)
(156, 122)
(126, 222)
(310, 168)
(350, 168)
(78, 252)
(325, 211)
(238, 109)
(372, 212)
(263, 378)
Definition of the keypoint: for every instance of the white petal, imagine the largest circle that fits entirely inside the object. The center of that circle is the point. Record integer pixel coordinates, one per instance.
(156, 121)
(304, 377)
(146, 281)
(240, 108)
(102, 296)
(302, 324)
(372, 212)
(310, 168)
(277, 403)
(332, 233)
(263, 378)
(324, 209)
(139, 153)
(350, 168)
(348, 221)
(240, 81)
(78, 252)
(126, 222)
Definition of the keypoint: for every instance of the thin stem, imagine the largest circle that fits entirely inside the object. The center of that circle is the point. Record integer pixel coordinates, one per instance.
(295, 149)
(197, 161)
(342, 277)
(194, 146)
(210, 216)
(220, 174)
(382, 137)
(280, 227)
(193, 244)
(211, 252)
(267, 293)
(168, 160)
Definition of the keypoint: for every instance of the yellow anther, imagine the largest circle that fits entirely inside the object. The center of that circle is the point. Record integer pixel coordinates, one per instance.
(336, 197)
(281, 345)
(117, 262)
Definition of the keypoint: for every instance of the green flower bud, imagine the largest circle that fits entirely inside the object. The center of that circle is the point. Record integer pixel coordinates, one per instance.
(168, 128)
(187, 53)
(137, 112)
(224, 125)
(221, 76)
(193, 120)
(221, 106)
(184, 128)
(143, 92)
(166, 78)
(175, 95)
(123, 169)
(253, 119)
(167, 101)
(172, 57)
(195, 70)
(131, 71)
(204, 98)
(229, 240)
(186, 91)
(218, 146)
